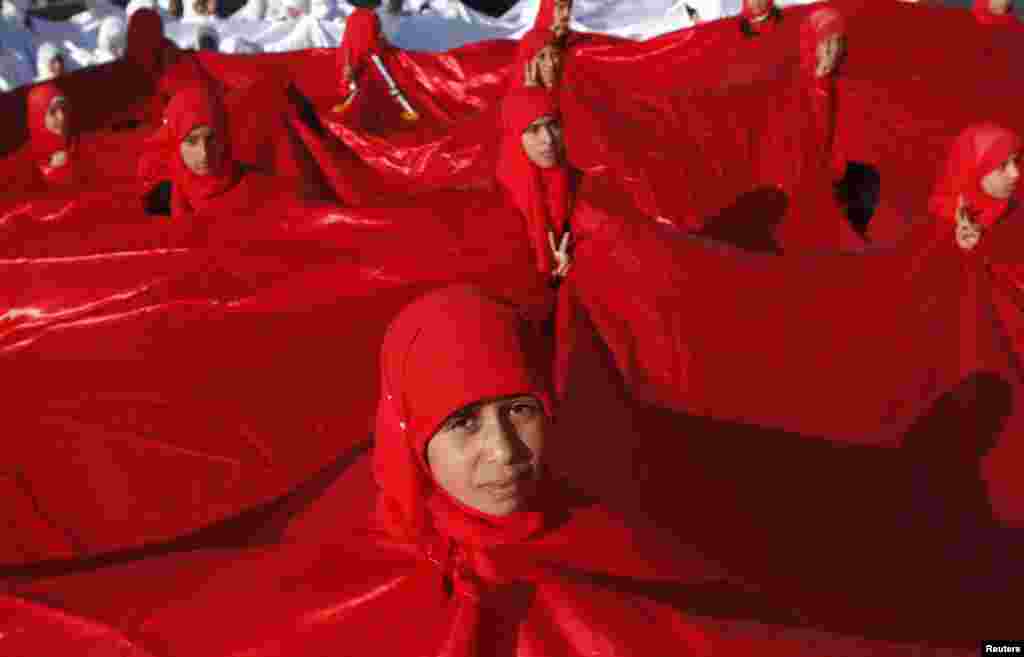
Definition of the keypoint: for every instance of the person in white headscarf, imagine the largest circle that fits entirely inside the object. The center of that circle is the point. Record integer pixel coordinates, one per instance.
(237, 45)
(325, 10)
(111, 40)
(15, 69)
(50, 62)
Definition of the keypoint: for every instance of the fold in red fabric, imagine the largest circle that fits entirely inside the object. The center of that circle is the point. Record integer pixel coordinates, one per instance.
(979, 150)
(543, 195)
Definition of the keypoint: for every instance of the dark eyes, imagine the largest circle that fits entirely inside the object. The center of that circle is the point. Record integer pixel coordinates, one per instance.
(471, 422)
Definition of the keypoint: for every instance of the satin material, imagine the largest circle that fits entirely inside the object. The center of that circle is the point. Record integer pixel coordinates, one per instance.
(230, 351)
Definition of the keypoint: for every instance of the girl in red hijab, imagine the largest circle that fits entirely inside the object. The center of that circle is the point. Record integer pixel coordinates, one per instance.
(553, 16)
(362, 38)
(817, 156)
(978, 187)
(759, 17)
(995, 12)
(539, 57)
(52, 140)
(533, 170)
(203, 169)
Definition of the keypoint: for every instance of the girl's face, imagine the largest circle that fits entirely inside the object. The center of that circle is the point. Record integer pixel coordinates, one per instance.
(542, 142)
(487, 455)
(549, 65)
(1002, 182)
(200, 150)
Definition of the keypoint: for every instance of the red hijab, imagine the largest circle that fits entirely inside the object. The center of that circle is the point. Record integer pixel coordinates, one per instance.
(818, 26)
(44, 143)
(532, 43)
(362, 38)
(545, 16)
(453, 347)
(542, 195)
(188, 110)
(984, 14)
(977, 152)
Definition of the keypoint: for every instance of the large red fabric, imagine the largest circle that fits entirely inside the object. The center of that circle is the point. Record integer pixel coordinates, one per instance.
(139, 363)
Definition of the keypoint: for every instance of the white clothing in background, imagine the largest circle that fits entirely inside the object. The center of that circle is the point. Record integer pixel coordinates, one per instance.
(239, 46)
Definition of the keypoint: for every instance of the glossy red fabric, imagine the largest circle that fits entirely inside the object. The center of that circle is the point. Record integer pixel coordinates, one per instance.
(977, 151)
(543, 196)
(31, 628)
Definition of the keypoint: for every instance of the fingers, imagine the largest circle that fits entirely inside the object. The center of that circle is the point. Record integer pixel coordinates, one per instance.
(551, 241)
(565, 243)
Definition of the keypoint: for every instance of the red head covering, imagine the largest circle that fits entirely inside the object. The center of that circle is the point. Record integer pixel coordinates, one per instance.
(532, 43)
(146, 41)
(43, 142)
(188, 110)
(826, 149)
(977, 152)
(542, 195)
(450, 348)
(362, 38)
(983, 12)
(545, 15)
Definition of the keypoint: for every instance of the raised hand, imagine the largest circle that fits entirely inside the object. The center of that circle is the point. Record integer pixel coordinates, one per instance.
(968, 233)
(563, 262)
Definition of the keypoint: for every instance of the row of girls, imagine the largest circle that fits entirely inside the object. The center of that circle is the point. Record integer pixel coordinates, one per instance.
(549, 305)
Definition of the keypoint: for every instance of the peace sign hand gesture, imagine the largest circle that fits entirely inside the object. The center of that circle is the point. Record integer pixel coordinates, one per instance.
(968, 233)
(563, 262)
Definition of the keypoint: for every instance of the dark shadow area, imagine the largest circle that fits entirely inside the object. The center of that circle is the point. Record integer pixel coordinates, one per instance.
(860, 191)
(830, 530)
(750, 222)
